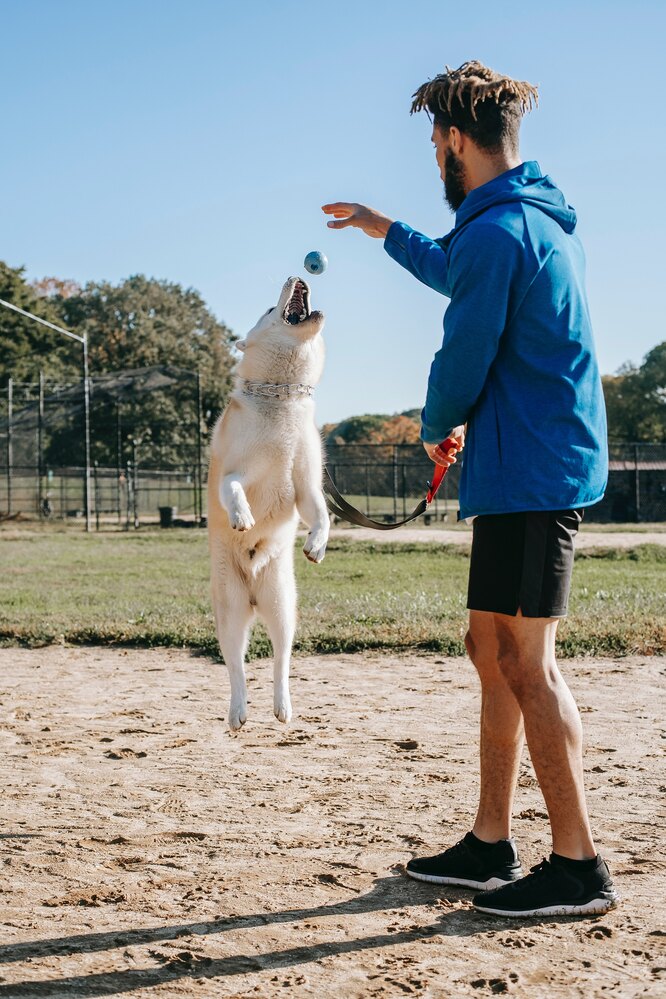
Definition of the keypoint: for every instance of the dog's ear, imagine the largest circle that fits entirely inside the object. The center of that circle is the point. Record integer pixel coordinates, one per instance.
(240, 345)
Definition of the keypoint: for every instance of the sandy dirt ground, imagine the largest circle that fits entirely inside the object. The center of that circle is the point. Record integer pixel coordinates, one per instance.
(584, 539)
(147, 852)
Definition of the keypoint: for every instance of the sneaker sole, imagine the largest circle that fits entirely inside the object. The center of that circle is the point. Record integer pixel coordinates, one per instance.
(595, 907)
(488, 885)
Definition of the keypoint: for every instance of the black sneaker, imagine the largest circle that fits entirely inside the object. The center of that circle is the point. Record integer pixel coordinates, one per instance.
(554, 888)
(470, 864)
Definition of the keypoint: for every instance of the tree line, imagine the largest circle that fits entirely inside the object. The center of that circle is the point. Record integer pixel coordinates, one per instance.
(635, 405)
(142, 322)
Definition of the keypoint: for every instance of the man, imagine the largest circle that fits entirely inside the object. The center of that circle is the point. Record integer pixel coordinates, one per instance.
(517, 366)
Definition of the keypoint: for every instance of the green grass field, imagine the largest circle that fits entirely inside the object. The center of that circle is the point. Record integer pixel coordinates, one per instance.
(151, 588)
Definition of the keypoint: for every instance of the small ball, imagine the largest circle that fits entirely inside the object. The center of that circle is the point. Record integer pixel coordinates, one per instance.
(315, 262)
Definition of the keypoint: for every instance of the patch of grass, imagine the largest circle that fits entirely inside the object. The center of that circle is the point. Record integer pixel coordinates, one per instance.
(151, 588)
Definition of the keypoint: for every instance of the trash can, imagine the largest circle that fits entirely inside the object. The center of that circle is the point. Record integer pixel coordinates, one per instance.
(167, 515)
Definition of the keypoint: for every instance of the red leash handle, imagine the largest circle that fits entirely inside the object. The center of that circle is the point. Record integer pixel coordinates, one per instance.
(440, 470)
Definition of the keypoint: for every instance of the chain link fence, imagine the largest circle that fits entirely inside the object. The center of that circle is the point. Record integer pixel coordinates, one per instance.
(148, 447)
(386, 481)
(158, 459)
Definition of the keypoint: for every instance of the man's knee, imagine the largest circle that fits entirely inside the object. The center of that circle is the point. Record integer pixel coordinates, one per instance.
(523, 666)
(483, 654)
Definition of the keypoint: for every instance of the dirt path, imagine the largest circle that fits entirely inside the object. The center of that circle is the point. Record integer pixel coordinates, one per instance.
(146, 852)
(442, 536)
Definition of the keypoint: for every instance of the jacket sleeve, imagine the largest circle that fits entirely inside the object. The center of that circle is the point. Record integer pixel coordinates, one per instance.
(483, 274)
(420, 255)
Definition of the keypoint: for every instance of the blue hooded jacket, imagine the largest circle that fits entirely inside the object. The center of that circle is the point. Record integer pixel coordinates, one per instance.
(517, 363)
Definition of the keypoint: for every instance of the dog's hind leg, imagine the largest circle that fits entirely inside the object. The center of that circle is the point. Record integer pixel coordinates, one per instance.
(276, 604)
(233, 616)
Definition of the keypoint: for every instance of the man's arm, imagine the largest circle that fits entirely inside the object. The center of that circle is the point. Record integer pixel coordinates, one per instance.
(420, 255)
(483, 277)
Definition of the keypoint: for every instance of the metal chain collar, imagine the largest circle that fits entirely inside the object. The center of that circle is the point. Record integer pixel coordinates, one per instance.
(273, 390)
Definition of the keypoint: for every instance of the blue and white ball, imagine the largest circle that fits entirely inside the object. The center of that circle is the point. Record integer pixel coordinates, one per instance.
(315, 262)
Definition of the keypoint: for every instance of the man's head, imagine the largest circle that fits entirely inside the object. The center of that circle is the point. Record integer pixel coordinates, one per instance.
(476, 115)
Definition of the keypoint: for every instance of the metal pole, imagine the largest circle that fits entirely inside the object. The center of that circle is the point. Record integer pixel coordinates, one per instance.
(637, 485)
(10, 442)
(199, 512)
(119, 470)
(96, 482)
(128, 491)
(135, 489)
(40, 445)
(395, 483)
(86, 419)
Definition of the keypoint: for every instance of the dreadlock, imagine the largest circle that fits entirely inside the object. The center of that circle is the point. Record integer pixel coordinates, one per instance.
(480, 102)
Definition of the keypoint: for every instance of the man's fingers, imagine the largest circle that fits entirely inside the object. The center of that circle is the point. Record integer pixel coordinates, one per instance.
(338, 206)
(448, 457)
(342, 224)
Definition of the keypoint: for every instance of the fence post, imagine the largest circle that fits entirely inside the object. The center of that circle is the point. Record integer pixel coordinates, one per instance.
(135, 485)
(637, 485)
(367, 490)
(395, 482)
(119, 458)
(199, 509)
(10, 442)
(404, 491)
(86, 428)
(40, 446)
(96, 494)
(128, 493)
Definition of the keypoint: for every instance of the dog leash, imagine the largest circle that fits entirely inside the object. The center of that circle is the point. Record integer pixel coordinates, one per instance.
(339, 506)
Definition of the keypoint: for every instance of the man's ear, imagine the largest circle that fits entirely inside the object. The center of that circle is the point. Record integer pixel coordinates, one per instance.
(240, 345)
(455, 140)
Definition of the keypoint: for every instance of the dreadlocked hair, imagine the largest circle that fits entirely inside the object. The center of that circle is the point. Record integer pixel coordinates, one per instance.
(480, 102)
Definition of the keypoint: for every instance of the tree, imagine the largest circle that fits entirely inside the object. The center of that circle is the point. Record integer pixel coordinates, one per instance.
(138, 324)
(375, 428)
(26, 347)
(143, 323)
(636, 399)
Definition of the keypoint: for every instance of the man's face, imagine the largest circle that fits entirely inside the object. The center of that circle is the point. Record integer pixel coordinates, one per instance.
(451, 170)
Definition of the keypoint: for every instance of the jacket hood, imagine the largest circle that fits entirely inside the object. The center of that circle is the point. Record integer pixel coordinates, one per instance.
(524, 183)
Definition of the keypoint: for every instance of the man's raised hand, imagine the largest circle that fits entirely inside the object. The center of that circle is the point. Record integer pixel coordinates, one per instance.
(372, 222)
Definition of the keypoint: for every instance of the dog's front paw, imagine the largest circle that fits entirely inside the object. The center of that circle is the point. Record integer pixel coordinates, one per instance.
(314, 548)
(282, 708)
(237, 715)
(241, 518)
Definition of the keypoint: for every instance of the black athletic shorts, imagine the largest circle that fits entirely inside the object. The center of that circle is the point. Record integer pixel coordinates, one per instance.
(523, 561)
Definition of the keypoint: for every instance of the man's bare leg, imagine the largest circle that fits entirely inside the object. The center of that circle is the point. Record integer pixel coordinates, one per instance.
(501, 732)
(526, 655)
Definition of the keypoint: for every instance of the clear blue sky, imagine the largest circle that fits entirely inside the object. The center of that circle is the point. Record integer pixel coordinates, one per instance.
(196, 141)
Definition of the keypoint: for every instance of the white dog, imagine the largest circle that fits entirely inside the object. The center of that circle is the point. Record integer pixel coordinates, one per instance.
(265, 470)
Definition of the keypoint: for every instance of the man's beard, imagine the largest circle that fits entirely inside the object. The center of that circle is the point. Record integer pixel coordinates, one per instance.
(454, 181)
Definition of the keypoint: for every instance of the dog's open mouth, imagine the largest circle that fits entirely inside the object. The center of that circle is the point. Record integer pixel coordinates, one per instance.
(297, 309)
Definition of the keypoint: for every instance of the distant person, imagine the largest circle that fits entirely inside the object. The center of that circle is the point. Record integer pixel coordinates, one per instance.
(517, 367)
